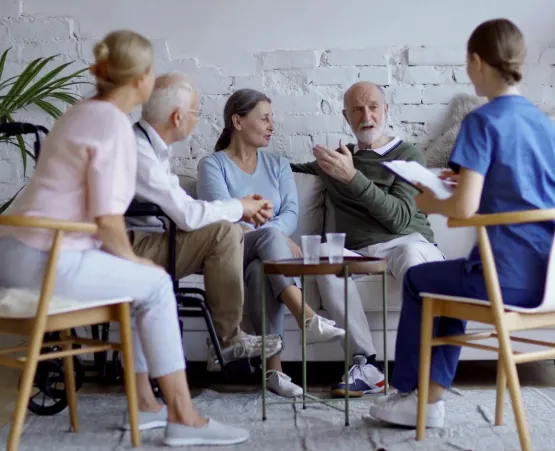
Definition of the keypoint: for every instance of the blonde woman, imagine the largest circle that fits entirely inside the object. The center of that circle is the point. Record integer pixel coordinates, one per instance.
(87, 173)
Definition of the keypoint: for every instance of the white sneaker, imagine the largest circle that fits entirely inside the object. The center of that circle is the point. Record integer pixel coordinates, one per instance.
(247, 347)
(402, 408)
(320, 330)
(281, 384)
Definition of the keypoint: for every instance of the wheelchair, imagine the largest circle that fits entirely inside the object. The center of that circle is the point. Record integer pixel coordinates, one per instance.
(49, 378)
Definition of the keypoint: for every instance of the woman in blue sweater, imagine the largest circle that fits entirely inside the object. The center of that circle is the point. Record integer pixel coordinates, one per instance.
(503, 159)
(238, 168)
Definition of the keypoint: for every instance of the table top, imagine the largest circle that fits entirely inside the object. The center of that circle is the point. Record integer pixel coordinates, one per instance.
(354, 265)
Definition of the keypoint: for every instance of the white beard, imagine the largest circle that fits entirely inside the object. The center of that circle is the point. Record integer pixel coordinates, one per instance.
(370, 136)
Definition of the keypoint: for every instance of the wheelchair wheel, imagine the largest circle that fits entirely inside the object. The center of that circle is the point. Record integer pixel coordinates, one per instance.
(50, 399)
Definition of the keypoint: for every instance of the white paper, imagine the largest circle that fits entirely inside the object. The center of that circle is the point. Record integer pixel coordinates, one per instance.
(414, 172)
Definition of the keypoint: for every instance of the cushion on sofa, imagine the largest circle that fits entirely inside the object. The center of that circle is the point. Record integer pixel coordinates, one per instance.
(311, 194)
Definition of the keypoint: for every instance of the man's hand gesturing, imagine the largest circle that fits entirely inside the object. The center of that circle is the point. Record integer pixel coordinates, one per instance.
(338, 165)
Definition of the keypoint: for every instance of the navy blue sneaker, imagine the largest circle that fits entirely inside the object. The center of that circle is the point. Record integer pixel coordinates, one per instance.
(364, 378)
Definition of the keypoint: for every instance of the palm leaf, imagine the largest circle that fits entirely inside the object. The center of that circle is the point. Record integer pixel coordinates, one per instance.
(23, 80)
(7, 82)
(32, 88)
(4, 207)
(3, 60)
(49, 108)
(42, 85)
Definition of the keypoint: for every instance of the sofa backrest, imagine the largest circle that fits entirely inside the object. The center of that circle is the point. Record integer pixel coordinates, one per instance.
(311, 194)
(316, 216)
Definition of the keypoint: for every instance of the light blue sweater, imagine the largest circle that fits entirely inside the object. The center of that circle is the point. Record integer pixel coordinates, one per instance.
(219, 178)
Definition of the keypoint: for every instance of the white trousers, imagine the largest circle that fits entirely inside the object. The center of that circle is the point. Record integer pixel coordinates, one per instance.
(96, 275)
(401, 254)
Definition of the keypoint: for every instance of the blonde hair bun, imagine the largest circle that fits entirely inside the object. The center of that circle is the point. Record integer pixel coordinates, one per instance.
(119, 57)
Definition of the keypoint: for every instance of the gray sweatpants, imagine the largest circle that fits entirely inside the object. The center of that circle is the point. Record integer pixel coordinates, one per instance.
(93, 274)
(265, 244)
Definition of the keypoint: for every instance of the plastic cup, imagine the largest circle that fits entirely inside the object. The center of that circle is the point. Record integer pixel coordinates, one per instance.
(311, 249)
(336, 244)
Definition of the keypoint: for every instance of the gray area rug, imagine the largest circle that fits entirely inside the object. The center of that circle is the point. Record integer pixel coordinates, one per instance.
(469, 425)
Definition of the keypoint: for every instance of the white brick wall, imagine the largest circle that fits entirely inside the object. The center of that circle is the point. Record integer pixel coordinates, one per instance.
(304, 73)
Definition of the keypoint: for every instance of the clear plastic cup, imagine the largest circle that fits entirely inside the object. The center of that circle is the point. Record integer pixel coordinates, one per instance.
(336, 244)
(311, 249)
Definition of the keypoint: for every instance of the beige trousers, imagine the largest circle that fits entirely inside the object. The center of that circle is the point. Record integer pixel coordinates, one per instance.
(215, 250)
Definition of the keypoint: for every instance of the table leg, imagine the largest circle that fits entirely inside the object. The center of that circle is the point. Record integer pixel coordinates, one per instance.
(263, 300)
(346, 345)
(385, 366)
(303, 339)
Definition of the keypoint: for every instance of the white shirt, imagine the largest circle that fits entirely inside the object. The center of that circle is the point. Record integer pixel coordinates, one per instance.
(157, 184)
(388, 147)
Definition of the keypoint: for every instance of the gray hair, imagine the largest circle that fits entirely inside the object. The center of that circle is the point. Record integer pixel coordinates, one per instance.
(241, 102)
(171, 92)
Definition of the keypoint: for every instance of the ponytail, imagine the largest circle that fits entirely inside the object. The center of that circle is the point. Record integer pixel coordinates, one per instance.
(223, 141)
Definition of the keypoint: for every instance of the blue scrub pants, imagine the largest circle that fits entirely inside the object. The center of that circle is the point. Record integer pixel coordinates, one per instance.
(453, 278)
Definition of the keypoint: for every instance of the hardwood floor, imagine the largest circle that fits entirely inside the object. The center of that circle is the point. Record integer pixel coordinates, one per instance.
(477, 374)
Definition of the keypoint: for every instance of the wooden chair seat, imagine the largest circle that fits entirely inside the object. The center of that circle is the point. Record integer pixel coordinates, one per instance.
(30, 314)
(505, 318)
(542, 308)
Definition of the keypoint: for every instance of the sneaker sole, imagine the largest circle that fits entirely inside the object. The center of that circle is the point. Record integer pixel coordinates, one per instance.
(147, 426)
(323, 340)
(403, 419)
(203, 441)
(340, 393)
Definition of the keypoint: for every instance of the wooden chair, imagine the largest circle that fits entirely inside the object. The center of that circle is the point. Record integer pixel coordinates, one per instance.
(504, 318)
(68, 314)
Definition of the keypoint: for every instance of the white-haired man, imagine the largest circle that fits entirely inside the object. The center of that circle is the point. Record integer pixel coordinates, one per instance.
(207, 238)
(377, 211)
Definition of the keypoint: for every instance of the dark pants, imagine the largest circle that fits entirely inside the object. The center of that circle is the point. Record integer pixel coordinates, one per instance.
(452, 278)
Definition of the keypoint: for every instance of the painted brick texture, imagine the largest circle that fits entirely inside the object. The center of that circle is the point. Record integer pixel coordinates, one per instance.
(306, 84)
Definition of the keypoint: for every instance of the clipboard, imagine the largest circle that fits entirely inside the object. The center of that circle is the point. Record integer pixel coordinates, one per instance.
(413, 172)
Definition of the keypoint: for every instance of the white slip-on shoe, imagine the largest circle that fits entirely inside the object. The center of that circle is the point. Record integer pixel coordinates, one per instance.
(280, 383)
(213, 433)
(321, 330)
(402, 409)
(150, 420)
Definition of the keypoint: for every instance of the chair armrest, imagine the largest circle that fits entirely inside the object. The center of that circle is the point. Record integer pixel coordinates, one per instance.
(515, 217)
(46, 223)
(137, 208)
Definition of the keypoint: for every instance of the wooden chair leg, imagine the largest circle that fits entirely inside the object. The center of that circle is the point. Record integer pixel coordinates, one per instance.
(501, 387)
(514, 387)
(69, 379)
(425, 364)
(129, 372)
(18, 418)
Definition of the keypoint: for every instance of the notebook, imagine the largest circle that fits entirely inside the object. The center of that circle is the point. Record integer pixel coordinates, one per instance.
(413, 172)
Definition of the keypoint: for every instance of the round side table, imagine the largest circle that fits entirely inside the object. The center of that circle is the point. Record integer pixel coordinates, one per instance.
(295, 268)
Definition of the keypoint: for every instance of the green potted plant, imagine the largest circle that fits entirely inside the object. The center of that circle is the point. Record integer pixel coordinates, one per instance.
(35, 87)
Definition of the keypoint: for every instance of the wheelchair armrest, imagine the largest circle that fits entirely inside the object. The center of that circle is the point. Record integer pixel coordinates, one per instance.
(137, 208)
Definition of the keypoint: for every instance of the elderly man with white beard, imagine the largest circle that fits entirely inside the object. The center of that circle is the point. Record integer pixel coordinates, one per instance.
(376, 210)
